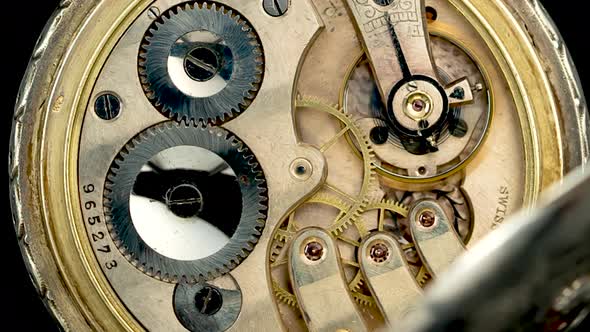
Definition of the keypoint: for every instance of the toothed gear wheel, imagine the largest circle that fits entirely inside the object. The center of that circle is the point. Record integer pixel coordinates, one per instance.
(392, 225)
(201, 62)
(347, 243)
(139, 152)
(359, 200)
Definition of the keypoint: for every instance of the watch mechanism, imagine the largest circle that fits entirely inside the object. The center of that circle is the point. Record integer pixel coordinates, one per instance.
(286, 165)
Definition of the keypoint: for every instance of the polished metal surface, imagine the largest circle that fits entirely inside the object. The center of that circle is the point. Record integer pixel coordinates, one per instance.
(208, 307)
(216, 173)
(466, 93)
(389, 278)
(516, 273)
(207, 37)
(434, 235)
(319, 284)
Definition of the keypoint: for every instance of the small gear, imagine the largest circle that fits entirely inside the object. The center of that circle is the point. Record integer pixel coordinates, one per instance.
(400, 210)
(452, 198)
(360, 199)
(249, 200)
(345, 240)
(201, 62)
(347, 243)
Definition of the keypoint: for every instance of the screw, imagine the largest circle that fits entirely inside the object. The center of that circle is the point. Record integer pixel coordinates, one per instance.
(412, 86)
(201, 64)
(184, 200)
(154, 12)
(383, 2)
(423, 124)
(379, 135)
(427, 219)
(208, 300)
(107, 106)
(459, 129)
(276, 8)
(458, 93)
(379, 252)
(314, 251)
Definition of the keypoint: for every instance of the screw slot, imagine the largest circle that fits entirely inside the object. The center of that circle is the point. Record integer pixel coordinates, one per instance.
(383, 3)
(185, 201)
(208, 300)
(201, 64)
(107, 106)
(276, 8)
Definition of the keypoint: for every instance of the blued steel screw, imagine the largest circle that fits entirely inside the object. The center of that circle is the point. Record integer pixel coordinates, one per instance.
(208, 300)
(383, 2)
(379, 135)
(107, 106)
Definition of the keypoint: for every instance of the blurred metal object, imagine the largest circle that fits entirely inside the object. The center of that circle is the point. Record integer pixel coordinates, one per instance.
(514, 276)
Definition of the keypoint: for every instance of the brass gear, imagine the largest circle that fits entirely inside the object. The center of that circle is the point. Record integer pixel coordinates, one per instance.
(349, 128)
(423, 276)
(289, 228)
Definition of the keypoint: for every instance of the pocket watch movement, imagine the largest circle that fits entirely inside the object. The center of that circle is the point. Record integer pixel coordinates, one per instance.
(294, 165)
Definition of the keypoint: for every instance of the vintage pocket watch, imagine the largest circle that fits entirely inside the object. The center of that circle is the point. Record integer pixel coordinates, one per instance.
(265, 165)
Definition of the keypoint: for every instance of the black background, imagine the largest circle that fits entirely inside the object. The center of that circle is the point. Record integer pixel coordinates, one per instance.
(20, 303)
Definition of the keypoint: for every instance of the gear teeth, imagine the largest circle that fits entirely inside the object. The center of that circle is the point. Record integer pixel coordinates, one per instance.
(282, 236)
(368, 157)
(389, 205)
(276, 251)
(283, 295)
(353, 210)
(152, 133)
(181, 107)
(356, 284)
(363, 299)
(423, 277)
